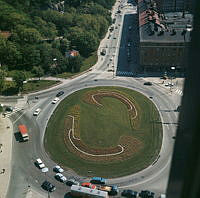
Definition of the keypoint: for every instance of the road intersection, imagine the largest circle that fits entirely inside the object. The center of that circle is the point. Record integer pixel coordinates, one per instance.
(26, 176)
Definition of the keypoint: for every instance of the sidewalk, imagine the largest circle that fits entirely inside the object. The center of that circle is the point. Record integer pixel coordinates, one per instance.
(33, 194)
(6, 135)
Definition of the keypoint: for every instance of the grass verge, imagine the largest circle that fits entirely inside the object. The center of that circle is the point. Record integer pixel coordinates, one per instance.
(31, 86)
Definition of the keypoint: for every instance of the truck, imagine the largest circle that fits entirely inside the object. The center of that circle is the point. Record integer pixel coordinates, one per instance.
(23, 132)
(112, 190)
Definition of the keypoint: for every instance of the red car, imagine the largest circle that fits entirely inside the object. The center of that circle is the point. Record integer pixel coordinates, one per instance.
(88, 185)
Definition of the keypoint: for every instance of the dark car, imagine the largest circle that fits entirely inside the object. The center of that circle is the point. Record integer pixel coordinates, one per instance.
(71, 182)
(147, 83)
(9, 109)
(48, 186)
(146, 193)
(129, 193)
(60, 93)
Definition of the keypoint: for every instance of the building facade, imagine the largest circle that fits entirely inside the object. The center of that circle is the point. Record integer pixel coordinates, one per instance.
(174, 5)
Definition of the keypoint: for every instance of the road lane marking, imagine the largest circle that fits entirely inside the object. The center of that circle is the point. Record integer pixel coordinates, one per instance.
(19, 117)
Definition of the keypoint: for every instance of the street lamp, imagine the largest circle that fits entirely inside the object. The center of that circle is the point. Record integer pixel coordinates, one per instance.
(173, 69)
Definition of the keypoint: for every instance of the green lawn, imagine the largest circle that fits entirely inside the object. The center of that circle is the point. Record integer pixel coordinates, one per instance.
(31, 86)
(102, 127)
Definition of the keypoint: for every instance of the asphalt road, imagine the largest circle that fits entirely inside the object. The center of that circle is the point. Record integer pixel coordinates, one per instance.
(25, 173)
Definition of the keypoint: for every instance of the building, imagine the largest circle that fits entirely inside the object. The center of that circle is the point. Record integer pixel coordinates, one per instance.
(5, 34)
(72, 53)
(173, 5)
(164, 39)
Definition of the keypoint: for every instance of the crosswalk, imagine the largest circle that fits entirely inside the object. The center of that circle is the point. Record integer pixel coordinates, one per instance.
(179, 92)
(124, 73)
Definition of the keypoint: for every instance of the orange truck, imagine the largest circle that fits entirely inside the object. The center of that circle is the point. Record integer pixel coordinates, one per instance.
(24, 132)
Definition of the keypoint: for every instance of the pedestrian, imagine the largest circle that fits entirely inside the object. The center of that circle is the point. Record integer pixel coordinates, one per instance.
(3, 170)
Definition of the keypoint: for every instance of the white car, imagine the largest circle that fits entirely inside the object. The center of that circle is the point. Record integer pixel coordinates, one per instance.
(37, 111)
(60, 177)
(58, 169)
(55, 100)
(39, 163)
(45, 170)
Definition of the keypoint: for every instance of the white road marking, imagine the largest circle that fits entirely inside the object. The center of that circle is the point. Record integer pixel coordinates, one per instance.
(19, 117)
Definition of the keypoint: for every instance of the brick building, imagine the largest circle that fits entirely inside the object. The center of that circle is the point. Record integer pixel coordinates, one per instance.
(174, 5)
(164, 39)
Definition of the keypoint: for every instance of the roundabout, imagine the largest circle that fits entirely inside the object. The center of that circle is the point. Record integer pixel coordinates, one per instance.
(104, 131)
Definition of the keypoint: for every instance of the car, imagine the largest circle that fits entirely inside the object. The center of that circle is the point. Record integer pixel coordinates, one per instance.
(163, 77)
(88, 185)
(148, 83)
(37, 111)
(129, 193)
(71, 182)
(146, 193)
(9, 109)
(98, 180)
(45, 170)
(58, 169)
(114, 37)
(48, 186)
(129, 44)
(130, 27)
(60, 177)
(39, 163)
(55, 100)
(60, 93)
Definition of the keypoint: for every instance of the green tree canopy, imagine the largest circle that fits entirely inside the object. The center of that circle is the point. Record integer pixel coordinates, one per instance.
(19, 77)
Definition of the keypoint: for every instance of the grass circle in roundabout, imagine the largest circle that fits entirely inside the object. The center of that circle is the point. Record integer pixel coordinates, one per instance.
(104, 131)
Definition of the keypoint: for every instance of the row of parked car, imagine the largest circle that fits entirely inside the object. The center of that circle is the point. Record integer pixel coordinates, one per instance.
(99, 181)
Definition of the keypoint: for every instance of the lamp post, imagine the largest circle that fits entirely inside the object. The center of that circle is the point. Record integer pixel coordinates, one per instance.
(173, 69)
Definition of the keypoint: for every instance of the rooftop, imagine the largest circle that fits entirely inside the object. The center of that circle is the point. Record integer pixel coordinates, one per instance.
(167, 27)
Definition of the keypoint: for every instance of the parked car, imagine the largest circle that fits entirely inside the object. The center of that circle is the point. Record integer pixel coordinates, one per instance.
(60, 93)
(58, 169)
(98, 180)
(88, 185)
(60, 177)
(48, 186)
(146, 193)
(55, 100)
(129, 193)
(39, 163)
(148, 83)
(37, 111)
(9, 109)
(45, 170)
(71, 182)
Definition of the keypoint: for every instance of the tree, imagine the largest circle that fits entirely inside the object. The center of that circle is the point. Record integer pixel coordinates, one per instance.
(31, 57)
(19, 77)
(22, 34)
(64, 45)
(38, 71)
(2, 79)
(9, 54)
(76, 63)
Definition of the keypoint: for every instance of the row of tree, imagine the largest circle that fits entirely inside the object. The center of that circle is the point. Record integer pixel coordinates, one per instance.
(40, 35)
